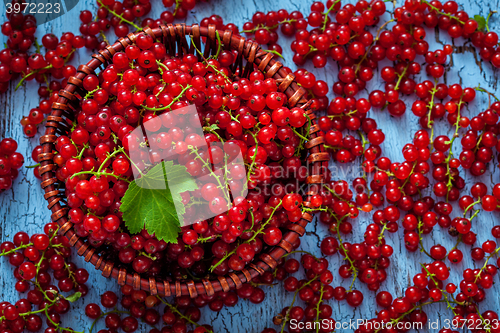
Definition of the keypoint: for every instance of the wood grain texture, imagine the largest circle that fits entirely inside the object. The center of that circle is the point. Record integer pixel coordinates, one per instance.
(23, 207)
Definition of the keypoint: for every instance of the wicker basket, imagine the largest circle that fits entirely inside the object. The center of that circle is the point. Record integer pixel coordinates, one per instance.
(174, 38)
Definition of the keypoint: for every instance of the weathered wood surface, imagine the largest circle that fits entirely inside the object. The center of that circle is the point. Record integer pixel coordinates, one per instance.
(23, 207)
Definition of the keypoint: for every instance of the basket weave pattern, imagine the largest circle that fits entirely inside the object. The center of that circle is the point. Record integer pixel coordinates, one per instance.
(174, 38)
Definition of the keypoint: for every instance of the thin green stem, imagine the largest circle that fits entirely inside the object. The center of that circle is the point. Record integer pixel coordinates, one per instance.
(490, 94)
(95, 173)
(209, 167)
(471, 205)
(24, 78)
(429, 107)
(162, 65)
(105, 314)
(488, 19)
(285, 320)
(358, 66)
(108, 157)
(262, 227)
(80, 154)
(265, 27)
(32, 166)
(321, 292)
(219, 45)
(300, 251)
(120, 16)
(401, 76)
(325, 20)
(422, 248)
(20, 247)
(443, 13)
(443, 292)
(175, 310)
(254, 157)
(91, 93)
(486, 263)
(353, 268)
(169, 106)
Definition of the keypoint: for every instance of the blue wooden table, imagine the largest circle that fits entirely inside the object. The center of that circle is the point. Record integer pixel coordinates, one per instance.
(23, 207)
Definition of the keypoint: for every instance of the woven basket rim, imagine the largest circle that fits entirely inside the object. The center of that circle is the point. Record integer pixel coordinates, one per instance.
(175, 35)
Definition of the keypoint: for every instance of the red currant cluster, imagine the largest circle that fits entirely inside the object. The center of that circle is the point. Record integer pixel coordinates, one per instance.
(20, 30)
(428, 288)
(181, 9)
(34, 258)
(15, 60)
(314, 291)
(10, 162)
(121, 15)
(137, 304)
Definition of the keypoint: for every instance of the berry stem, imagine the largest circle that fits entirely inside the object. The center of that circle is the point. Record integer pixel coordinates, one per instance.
(422, 248)
(175, 310)
(99, 174)
(104, 37)
(325, 20)
(107, 159)
(488, 19)
(80, 154)
(321, 292)
(136, 27)
(299, 135)
(275, 52)
(254, 157)
(169, 106)
(38, 47)
(408, 178)
(16, 249)
(490, 94)
(300, 251)
(105, 314)
(219, 45)
(115, 139)
(91, 93)
(293, 301)
(459, 240)
(32, 166)
(430, 106)
(161, 65)
(253, 221)
(381, 235)
(471, 205)
(449, 184)
(443, 13)
(478, 275)
(224, 188)
(263, 26)
(24, 78)
(379, 31)
(401, 76)
(345, 252)
(209, 65)
(262, 227)
(443, 292)
(177, 6)
(474, 215)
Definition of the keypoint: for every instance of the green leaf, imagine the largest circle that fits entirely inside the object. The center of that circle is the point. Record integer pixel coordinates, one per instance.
(73, 298)
(481, 22)
(154, 201)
